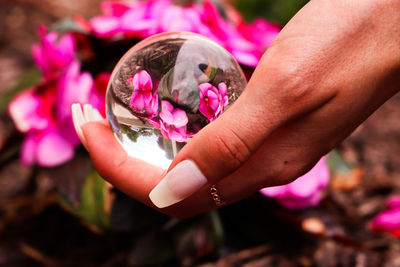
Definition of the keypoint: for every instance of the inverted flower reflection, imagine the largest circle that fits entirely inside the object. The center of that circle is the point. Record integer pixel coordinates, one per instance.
(306, 191)
(173, 122)
(143, 99)
(212, 100)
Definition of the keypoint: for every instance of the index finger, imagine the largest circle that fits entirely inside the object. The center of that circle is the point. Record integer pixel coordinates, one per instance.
(132, 176)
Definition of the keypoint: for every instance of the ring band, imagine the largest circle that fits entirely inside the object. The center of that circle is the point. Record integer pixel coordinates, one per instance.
(215, 196)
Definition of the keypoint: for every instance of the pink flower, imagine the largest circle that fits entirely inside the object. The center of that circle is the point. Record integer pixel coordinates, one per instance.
(97, 97)
(126, 19)
(173, 122)
(389, 220)
(246, 42)
(53, 53)
(305, 191)
(43, 113)
(212, 100)
(260, 32)
(144, 100)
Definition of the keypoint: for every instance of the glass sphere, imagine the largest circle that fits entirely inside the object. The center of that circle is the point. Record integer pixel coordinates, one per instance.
(165, 89)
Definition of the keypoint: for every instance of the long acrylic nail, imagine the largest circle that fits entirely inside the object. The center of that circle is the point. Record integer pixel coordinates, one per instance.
(181, 182)
(96, 115)
(91, 114)
(87, 110)
(78, 119)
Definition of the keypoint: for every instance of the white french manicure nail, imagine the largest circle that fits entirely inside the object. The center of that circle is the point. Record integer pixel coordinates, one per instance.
(181, 182)
(79, 120)
(87, 108)
(96, 115)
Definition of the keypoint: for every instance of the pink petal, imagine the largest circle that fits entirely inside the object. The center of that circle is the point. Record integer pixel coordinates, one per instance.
(105, 26)
(28, 150)
(393, 202)
(23, 109)
(73, 87)
(115, 8)
(145, 82)
(39, 57)
(310, 182)
(274, 191)
(180, 118)
(303, 192)
(166, 112)
(138, 103)
(156, 124)
(204, 87)
(53, 149)
(178, 134)
(222, 89)
(246, 58)
(387, 221)
(203, 108)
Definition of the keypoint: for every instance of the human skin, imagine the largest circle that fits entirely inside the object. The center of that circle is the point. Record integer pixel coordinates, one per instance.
(329, 68)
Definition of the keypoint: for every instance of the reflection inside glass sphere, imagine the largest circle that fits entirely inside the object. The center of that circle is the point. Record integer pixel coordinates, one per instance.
(165, 89)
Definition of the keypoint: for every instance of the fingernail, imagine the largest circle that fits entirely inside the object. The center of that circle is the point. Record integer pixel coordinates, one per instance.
(87, 108)
(181, 182)
(91, 114)
(79, 120)
(96, 115)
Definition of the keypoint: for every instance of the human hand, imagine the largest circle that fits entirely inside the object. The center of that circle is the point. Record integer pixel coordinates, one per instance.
(331, 66)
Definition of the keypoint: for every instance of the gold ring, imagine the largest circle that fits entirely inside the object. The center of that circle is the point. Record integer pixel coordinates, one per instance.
(215, 196)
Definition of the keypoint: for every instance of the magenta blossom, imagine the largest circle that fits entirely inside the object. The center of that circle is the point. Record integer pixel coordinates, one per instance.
(305, 191)
(246, 42)
(53, 53)
(389, 220)
(212, 100)
(44, 115)
(125, 19)
(143, 100)
(172, 122)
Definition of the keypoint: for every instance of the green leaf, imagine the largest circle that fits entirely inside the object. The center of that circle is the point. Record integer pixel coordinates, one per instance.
(337, 163)
(29, 78)
(67, 25)
(280, 11)
(92, 205)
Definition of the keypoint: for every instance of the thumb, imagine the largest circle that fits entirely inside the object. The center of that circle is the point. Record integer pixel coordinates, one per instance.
(220, 148)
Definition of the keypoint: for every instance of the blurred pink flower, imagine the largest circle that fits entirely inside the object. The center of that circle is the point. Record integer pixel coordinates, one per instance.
(246, 42)
(143, 99)
(43, 113)
(97, 97)
(305, 191)
(125, 19)
(260, 32)
(389, 220)
(212, 100)
(53, 53)
(173, 122)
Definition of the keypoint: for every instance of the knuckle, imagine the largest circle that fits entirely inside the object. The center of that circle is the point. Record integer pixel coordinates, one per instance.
(232, 148)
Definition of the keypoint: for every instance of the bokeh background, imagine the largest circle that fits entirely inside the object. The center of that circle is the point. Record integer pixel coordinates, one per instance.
(39, 226)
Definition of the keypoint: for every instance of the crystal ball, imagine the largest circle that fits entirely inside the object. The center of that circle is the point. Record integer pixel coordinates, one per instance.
(165, 89)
